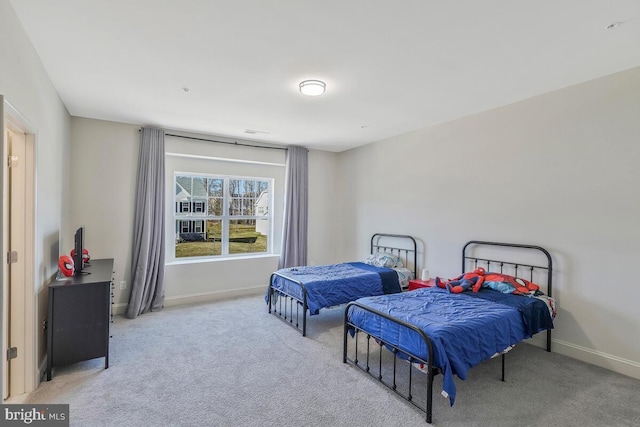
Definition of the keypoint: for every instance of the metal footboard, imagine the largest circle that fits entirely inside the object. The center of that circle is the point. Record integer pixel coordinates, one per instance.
(282, 304)
(392, 366)
(398, 361)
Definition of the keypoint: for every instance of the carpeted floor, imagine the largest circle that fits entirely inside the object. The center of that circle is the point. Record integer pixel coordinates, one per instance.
(231, 363)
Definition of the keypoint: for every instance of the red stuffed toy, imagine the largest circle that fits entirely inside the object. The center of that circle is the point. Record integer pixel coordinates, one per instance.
(521, 286)
(463, 282)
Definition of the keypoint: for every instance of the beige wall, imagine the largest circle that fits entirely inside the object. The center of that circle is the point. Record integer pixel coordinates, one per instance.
(325, 212)
(25, 84)
(103, 163)
(559, 170)
(103, 183)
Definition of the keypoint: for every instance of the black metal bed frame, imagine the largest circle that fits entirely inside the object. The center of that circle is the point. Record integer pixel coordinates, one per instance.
(283, 302)
(393, 352)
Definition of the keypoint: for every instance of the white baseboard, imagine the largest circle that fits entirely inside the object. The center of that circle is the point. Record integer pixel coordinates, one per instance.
(213, 296)
(594, 357)
(598, 358)
(119, 308)
(201, 297)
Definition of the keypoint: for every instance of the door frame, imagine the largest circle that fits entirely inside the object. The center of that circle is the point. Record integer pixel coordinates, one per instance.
(11, 118)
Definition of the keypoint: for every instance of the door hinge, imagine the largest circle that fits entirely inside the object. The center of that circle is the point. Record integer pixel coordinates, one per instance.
(12, 257)
(12, 353)
(12, 161)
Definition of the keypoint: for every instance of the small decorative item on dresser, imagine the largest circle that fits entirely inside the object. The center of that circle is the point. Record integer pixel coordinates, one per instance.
(65, 264)
(417, 284)
(85, 255)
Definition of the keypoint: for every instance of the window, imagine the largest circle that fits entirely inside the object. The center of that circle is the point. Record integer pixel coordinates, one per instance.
(198, 206)
(221, 215)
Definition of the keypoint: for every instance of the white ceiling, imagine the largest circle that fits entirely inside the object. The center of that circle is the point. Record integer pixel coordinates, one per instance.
(390, 66)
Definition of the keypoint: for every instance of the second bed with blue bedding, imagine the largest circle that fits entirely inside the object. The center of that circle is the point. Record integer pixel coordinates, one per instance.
(464, 329)
(449, 333)
(295, 291)
(331, 285)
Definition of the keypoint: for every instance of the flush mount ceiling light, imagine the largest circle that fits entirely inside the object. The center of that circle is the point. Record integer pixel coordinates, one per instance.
(312, 87)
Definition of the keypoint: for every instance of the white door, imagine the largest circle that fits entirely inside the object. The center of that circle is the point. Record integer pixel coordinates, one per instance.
(15, 238)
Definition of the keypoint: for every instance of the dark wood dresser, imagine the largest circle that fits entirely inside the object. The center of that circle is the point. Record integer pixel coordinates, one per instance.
(79, 316)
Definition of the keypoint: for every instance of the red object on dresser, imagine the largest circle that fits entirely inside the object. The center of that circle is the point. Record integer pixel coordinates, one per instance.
(417, 284)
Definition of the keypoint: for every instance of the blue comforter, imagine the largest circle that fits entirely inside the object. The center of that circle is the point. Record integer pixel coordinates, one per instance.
(464, 329)
(331, 285)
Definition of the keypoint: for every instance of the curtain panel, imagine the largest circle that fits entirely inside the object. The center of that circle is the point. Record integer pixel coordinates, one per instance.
(294, 234)
(147, 263)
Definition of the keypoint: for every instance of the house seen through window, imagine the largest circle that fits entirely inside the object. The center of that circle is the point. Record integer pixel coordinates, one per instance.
(221, 215)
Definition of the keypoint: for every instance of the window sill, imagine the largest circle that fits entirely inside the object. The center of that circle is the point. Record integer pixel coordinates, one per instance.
(219, 259)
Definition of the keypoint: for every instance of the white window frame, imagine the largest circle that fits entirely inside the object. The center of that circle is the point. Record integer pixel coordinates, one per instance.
(226, 217)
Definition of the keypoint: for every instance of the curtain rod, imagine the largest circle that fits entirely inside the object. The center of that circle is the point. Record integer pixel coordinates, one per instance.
(224, 142)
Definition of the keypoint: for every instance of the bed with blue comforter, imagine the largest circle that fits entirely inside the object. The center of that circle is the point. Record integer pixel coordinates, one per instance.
(332, 285)
(293, 292)
(464, 329)
(449, 333)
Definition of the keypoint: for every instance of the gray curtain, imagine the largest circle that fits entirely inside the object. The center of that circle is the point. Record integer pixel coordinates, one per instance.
(294, 234)
(147, 263)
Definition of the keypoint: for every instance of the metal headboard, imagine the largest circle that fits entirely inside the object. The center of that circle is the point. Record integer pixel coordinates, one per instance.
(500, 264)
(406, 251)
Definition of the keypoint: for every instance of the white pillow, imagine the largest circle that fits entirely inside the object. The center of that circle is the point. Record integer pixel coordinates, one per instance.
(384, 259)
(404, 275)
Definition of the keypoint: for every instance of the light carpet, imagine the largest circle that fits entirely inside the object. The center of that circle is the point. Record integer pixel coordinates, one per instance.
(230, 363)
